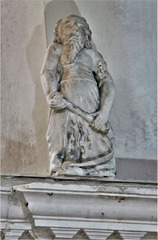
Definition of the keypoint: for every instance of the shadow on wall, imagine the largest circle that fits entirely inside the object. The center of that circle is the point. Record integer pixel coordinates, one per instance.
(35, 61)
(40, 112)
(56, 10)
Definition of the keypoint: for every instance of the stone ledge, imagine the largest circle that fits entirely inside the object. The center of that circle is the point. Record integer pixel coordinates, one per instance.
(65, 205)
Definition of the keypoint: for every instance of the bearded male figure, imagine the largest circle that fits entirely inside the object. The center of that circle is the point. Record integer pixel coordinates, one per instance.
(80, 94)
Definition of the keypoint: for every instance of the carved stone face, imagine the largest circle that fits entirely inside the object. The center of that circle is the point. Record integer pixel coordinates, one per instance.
(73, 32)
(74, 28)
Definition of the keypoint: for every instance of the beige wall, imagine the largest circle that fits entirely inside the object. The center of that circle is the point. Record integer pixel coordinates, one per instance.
(24, 110)
(124, 32)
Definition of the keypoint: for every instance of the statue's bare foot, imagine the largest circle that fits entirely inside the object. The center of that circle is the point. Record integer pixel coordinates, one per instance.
(56, 173)
(55, 167)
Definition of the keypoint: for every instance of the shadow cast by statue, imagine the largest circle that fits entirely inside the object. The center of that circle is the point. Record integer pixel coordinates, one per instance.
(33, 53)
(55, 10)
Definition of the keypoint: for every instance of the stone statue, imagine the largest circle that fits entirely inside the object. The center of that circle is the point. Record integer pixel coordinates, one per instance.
(80, 94)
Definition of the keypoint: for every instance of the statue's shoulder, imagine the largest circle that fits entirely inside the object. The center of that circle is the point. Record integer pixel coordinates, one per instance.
(54, 48)
(96, 58)
(94, 54)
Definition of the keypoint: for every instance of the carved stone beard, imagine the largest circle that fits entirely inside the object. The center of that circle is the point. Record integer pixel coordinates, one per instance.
(71, 49)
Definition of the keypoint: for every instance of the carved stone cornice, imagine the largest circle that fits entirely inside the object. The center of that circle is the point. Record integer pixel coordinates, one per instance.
(61, 207)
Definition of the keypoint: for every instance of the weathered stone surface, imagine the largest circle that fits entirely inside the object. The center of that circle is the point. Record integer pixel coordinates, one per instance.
(23, 146)
(80, 93)
(69, 207)
(125, 34)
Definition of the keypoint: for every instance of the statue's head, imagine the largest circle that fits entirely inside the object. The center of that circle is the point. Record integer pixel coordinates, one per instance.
(73, 29)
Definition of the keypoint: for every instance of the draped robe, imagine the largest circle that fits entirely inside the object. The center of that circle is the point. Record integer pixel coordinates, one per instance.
(70, 138)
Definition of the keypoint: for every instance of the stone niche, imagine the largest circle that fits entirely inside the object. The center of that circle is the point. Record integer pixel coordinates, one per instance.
(36, 207)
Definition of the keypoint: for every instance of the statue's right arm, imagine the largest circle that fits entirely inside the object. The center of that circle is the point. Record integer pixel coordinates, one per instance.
(49, 70)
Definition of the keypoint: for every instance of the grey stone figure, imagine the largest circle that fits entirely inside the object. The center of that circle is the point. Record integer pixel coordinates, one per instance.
(80, 94)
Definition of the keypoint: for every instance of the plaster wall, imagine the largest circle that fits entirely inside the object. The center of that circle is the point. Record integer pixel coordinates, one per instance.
(24, 109)
(124, 32)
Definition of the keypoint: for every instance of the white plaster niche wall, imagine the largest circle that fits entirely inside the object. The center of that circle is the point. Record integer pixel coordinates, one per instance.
(125, 33)
(24, 110)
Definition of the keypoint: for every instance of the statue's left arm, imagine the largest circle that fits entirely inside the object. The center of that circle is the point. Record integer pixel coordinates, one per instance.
(49, 77)
(107, 92)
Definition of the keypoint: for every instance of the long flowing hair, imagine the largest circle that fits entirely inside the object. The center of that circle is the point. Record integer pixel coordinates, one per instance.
(71, 39)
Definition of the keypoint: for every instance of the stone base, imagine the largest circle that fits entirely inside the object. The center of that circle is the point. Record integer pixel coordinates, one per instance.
(105, 169)
(77, 208)
(88, 172)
